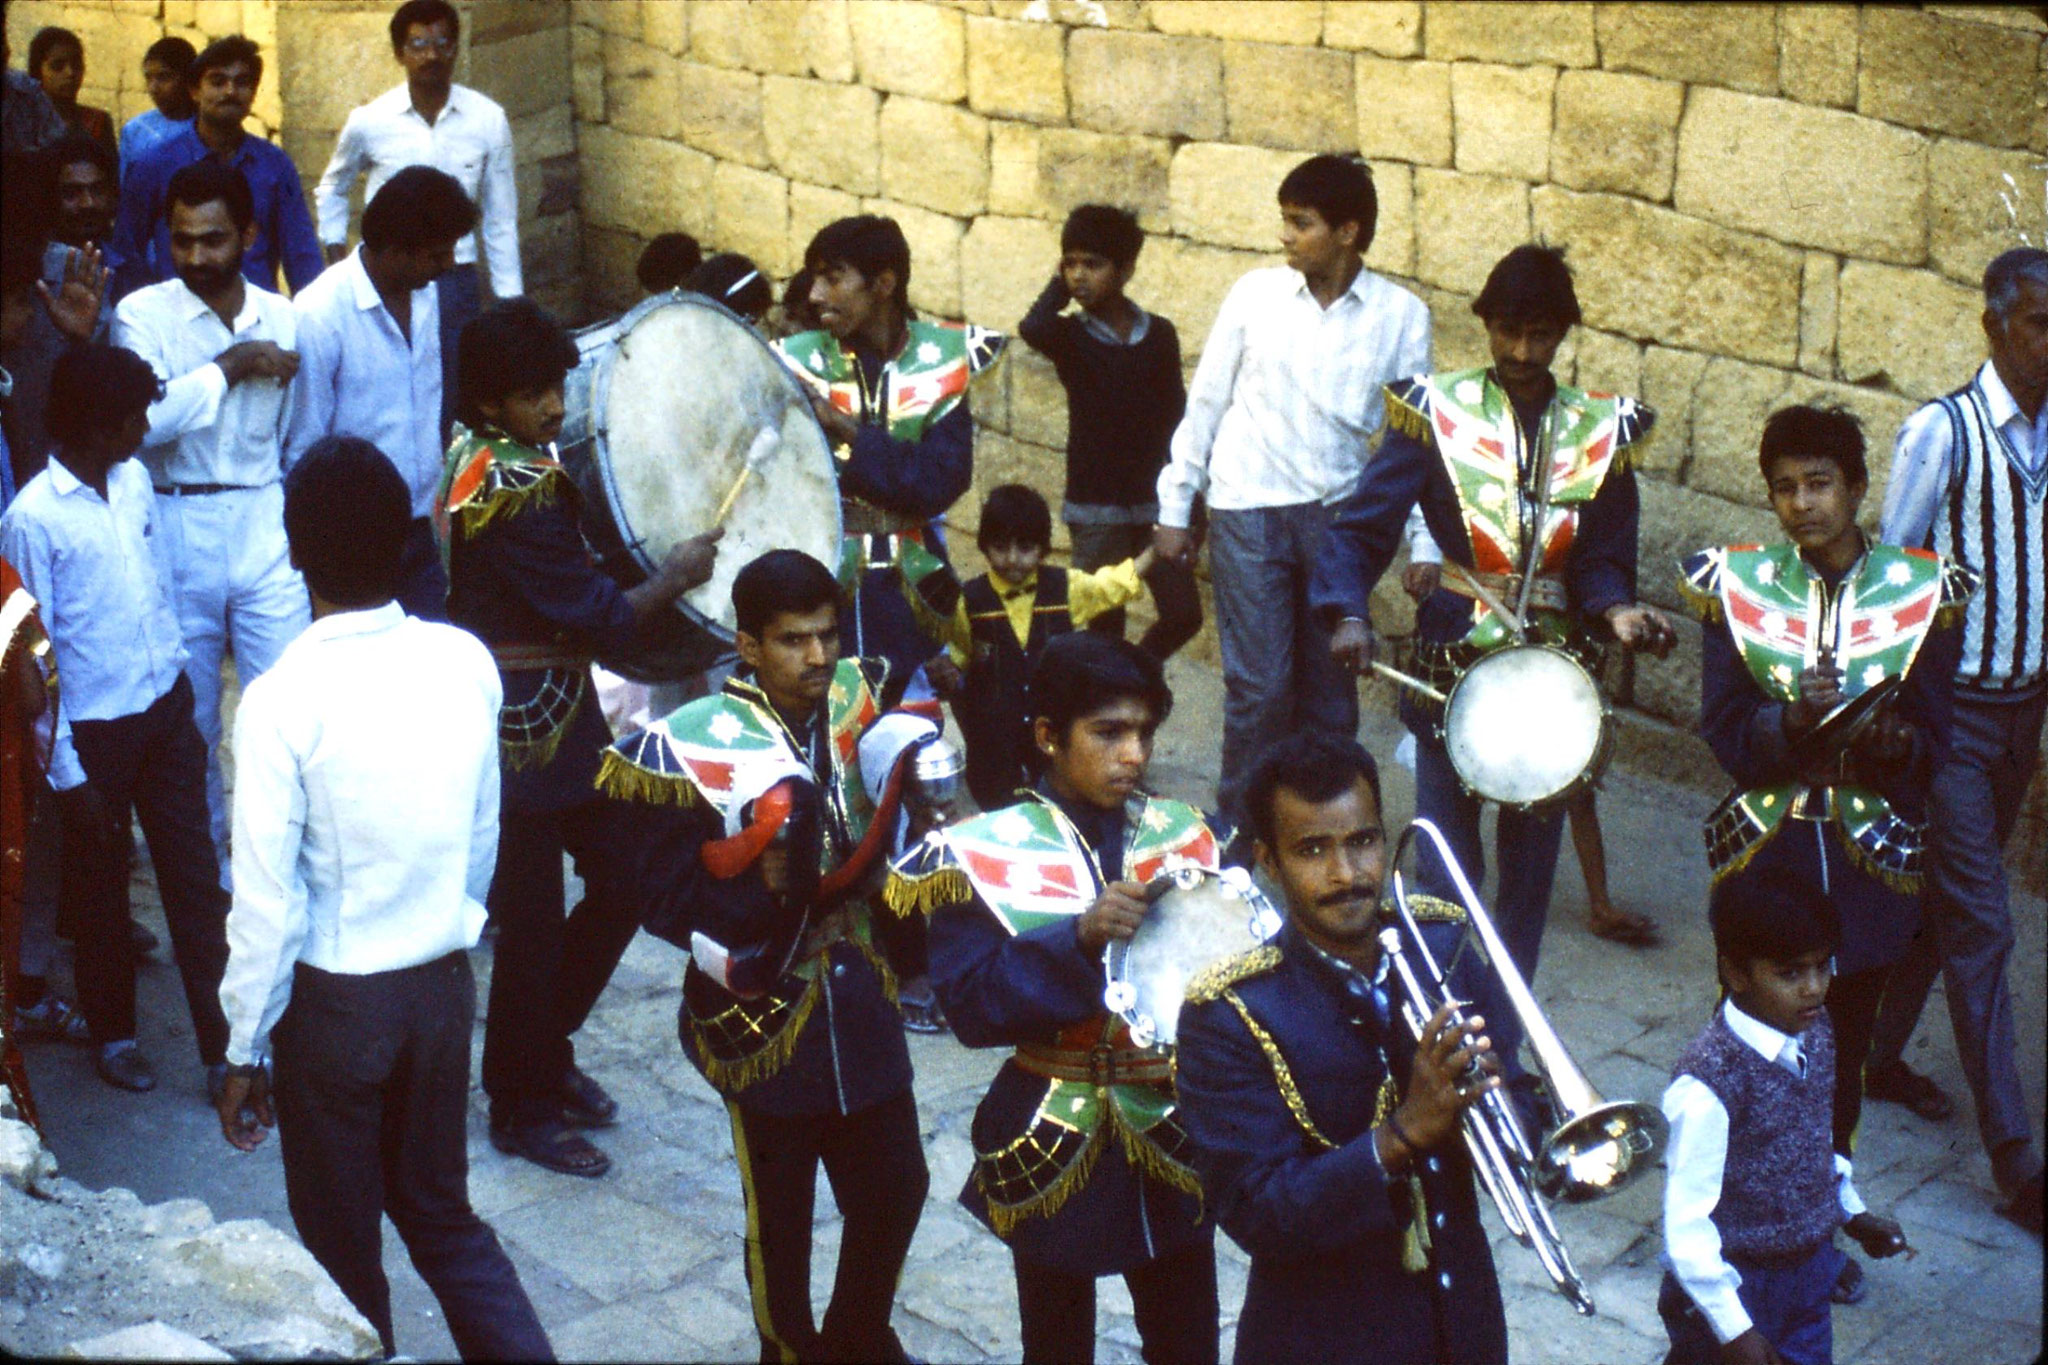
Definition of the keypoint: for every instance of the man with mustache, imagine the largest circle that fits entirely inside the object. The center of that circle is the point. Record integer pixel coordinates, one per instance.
(226, 352)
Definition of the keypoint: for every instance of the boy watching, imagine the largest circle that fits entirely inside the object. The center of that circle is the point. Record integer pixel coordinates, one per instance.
(1001, 626)
(1754, 1194)
(1120, 367)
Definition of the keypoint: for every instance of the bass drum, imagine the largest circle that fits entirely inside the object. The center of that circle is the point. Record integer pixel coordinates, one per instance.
(660, 413)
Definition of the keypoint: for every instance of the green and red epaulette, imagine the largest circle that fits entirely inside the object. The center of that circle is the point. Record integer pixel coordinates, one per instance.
(487, 476)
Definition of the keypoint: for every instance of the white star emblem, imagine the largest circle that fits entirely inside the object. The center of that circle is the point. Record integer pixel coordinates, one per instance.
(1873, 675)
(1774, 623)
(1468, 392)
(816, 362)
(1781, 672)
(1011, 827)
(928, 353)
(725, 727)
(1898, 574)
(1767, 572)
(1022, 877)
(1492, 495)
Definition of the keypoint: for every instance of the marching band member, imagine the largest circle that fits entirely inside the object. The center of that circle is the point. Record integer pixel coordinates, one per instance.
(1327, 1138)
(788, 1008)
(1080, 1163)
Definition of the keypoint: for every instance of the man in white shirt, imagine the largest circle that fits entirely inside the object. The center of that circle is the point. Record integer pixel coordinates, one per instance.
(1283, 405)
(80, 536)
(224, 353)
(431, 121)
(366, 828)
(371, 337)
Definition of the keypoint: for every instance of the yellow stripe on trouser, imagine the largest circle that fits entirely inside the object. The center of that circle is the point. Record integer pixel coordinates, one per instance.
(757, 1267)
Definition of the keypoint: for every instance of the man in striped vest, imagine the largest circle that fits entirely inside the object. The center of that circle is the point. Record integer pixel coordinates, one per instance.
(1970, 481)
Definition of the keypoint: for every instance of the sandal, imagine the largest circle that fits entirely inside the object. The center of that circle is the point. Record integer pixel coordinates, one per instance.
(1849, 1285)
(1630, 930)
(1900, 1084)
(585, 1104)
(922, 1016)
(551, 1145)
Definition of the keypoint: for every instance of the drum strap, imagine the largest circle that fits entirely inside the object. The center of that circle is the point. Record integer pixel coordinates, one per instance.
(1547, 593)
(1102, 1065)
(516, 658)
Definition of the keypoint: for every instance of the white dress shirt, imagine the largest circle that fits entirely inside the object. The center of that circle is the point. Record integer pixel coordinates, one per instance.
(470, 140)
(359, 375)
(1924, 459)
(1695, 1159)
(366, 809)
(1288, 393)
(87, 561)
(202, 430)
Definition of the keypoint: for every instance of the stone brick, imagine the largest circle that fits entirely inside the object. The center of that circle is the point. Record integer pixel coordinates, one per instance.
(719, 111)
(550, 133)
(1226, 195)
(916, 50)
(586, 73)
(1729, 45)
(1393, 239)
(609, 16)
(608, 257)
(1657, 275)
(1516, 33)
(934, 256)
(1977, 81)
(1274, 21)
(1017, 70)
(765, 38)
(1502, 114)
(1606, 363)
(1113, 14)
(1616, 133)
(1388, 28)
(1076, 168)
(1003, 266)
(1678, 522)
(1669, 378)
(1458, 339)
(1404, 110)
(486, 21)
(1186, 281)
(1912, 329)
(1730, 403)
(644, 185)
(828, 39)
(1299, 97)
(1818, 296)
(1038, 401)
(641, 91)
(1013, 188)
(1980, 201)
(1668, 688)
(750, 215)
(934, 155)
(1817, 53)
(793, 113)
(813, 206)
(525, 74)
(1812, 177)
(665, 24)
(323, 90)
(1474, 221)
(1146, 83)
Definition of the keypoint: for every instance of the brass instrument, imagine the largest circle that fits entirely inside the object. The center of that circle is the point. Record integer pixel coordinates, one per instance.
(1594, 1148)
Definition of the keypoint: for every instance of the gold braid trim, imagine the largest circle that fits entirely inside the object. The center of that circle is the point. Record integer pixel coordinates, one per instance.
(1405, 418)
(1213, 981)
(1905, 883)
(621, 777)
(1281, 1073)
(472, 517)
(1705, 606)
(1004, 1218)
(541, 752)
(1144, 1154)
(908, 895)
(1435, 910)
(749, 1070)
(875, 960)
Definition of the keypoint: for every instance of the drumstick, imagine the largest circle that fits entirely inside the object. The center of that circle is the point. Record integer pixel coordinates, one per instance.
(764, 443)
(1512, 620)
(1407, 681)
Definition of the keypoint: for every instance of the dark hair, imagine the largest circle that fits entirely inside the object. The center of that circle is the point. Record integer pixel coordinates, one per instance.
(95, 388)
(1530, 284)
(733, 280)
(1314, 765)
(224, 52)
(70, 148)
(1773, 914)
(207, 180)
(418, 208)
(796, 301)
(1104, 231)
(175, 53)
(667, 262)
(423, 12)
(346, 513)
(1082, 672)
(780, 583)
(868, 244)
(1340, 189)
(48, 40)
(1807, 430)
(2002, 277)
(22, 239)
(1014, 515)
(509, 348)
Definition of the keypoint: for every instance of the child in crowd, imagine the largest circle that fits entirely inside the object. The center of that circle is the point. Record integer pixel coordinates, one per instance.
(56, 57)
(1001, 625)
(1121, 368)
(1754, 1192)
(667, 261)
(163, 75)
(735, 281)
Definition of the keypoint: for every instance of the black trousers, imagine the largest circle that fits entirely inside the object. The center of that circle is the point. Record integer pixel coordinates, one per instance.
(422, 582)
(1172, 1298)
(548, 969)
(875, 1163)
(156, 760)
(1853, 1002)
(372, 1088)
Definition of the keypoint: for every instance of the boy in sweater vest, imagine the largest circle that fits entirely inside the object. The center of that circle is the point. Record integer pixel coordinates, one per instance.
(1001, 625)
(1754, 1192)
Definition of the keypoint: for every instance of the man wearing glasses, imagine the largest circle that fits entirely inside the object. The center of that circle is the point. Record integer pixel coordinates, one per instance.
(432, 121)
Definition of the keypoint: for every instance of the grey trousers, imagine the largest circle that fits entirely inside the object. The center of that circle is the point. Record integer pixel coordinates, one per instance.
(1278, 676)
(1975, 800)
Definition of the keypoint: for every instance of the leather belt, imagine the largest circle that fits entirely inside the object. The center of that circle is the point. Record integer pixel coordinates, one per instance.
(523, 657)
(201, 490)
(1546, 593)
(1102, 1065)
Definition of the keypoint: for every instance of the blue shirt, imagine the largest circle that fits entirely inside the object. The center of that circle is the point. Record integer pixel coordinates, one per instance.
(284, 228)
(146, 132)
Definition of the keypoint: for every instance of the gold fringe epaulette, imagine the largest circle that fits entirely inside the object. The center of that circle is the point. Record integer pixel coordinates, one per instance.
(504, 498)
(1145, 1155)
(621, 777)
(1896, 879)
(1958, 585)
(1283, 1075)
(1404, 417)
(1431, 910)
(758, 1066)
(1211, 982)
(1699, 587)
(909, 894)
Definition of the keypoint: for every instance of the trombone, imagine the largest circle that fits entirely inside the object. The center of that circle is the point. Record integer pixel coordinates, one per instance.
(1594, 1148)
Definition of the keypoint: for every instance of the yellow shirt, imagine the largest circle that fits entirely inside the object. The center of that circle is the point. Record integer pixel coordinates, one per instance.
(1089, 594)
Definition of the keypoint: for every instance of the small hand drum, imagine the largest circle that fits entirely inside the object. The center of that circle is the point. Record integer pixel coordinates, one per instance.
(1526, 726)
(1202, 918)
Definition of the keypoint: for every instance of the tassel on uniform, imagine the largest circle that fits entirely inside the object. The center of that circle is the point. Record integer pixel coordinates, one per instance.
(908, 895)
(1145, 1155)
(760, 1065)
(1410, 421)
(621, 777)
(1004, 1218)
(473, 516)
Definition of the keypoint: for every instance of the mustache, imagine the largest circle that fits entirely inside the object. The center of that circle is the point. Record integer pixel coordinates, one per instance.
(1336, 898)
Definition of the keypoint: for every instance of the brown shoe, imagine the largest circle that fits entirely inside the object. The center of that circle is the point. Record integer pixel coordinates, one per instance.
(1900, 1084)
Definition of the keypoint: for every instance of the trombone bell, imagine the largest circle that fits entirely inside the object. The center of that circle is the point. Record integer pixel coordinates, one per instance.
(1596, 1153)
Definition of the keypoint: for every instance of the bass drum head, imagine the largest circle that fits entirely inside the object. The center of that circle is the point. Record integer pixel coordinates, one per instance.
(1202, 919)
(1524, 725)
(677, 400)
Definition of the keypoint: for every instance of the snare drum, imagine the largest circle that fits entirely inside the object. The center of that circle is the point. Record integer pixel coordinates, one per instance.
(660, 413)
(1203, 918)
(1526, 726)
